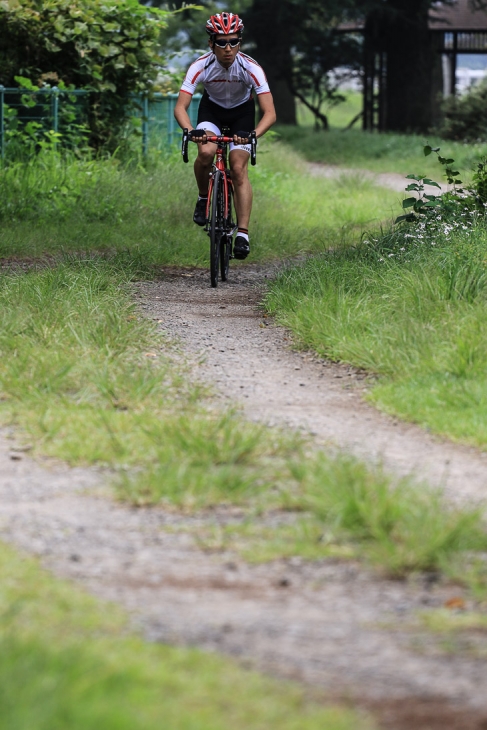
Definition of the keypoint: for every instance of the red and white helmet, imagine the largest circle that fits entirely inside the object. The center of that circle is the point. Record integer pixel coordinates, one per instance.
(224, 24)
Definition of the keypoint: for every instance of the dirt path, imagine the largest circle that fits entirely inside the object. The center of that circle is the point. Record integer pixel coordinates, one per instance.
(391, 180)
(336, 626)
(250, 361)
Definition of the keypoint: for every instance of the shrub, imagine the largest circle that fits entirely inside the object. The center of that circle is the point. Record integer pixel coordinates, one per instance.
(466, 116)
(109, 47)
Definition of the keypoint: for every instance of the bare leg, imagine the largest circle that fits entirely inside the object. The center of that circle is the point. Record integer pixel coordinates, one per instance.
(239, 162)
(202, 167)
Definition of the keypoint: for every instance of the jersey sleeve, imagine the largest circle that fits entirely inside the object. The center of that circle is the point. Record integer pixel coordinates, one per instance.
(193, 77)
(257, 76)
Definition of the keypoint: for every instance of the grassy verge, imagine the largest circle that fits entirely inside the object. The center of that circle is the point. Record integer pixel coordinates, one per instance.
(387, 152)
(410, 306)
(91, 382)
(67, 661)
(52, 206)
(339, 116)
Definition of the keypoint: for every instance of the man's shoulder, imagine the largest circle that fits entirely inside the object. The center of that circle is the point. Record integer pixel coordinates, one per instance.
(248, 60)
(204, 60)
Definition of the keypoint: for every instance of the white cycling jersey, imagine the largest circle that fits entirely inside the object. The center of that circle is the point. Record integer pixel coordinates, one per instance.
(227, 87)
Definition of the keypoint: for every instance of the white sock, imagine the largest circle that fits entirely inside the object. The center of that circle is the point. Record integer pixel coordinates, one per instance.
(243, 235)
(202, 197)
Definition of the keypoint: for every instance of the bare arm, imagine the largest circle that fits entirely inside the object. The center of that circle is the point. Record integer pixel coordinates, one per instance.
(181, 110)
(266, 104)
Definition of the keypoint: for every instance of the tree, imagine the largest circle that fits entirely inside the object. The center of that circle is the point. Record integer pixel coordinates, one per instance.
(323, 59)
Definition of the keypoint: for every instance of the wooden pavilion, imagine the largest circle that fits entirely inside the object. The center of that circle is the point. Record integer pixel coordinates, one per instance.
(453, 30)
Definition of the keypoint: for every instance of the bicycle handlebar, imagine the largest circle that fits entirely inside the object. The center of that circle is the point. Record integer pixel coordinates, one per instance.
(219, 140)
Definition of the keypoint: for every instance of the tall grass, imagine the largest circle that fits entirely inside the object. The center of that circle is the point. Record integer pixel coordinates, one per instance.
(415, 314)
(54, 205)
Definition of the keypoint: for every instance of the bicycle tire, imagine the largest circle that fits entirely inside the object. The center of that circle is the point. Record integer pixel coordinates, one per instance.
(216, 226)
(226, 244)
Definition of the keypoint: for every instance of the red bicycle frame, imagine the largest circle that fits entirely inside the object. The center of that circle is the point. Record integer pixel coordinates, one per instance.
(219, 164)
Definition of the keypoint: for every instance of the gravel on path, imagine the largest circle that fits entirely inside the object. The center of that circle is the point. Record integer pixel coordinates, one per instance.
(334, 625)
(249, 360)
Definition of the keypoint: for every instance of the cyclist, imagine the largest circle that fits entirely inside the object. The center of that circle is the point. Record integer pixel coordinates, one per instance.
(229, 78)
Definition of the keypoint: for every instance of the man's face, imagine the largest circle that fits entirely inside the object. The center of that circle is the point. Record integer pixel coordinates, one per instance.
(226, 55)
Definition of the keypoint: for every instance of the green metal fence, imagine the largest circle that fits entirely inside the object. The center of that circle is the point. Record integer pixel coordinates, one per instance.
(45, 107)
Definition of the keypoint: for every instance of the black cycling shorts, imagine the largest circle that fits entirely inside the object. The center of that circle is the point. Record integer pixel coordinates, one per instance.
(239, 119)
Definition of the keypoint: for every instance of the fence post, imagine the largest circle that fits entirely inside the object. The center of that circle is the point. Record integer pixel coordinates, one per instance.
(2, 129)
(55, 110)
(145, 124)
(55, 107)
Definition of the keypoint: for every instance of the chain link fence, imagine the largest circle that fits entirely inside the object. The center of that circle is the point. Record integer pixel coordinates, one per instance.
(55, 110)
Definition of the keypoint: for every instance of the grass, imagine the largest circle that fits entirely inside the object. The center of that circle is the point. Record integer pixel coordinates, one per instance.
(52, 206)
(386, 152)
(86, 379)
(410, 307)
(89, 381)
(68, 661)
(339, 116)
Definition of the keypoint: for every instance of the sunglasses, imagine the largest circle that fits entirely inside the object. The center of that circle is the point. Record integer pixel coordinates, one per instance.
(221, 43)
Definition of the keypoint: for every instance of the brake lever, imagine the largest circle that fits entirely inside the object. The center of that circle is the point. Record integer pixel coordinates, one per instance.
(253, 148)
(184, 145)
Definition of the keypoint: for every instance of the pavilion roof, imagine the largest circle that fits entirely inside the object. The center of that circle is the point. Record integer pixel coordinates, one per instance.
(443, 17)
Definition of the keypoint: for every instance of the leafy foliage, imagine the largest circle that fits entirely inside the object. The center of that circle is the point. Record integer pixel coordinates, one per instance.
(466, 116)
(458, 201)
(109, 47)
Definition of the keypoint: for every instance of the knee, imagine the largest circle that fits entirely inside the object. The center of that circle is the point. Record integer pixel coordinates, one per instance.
(239, 174)
(205, 157)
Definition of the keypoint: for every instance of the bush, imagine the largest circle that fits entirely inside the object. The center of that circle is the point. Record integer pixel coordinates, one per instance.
(109, 47)
(466, 116)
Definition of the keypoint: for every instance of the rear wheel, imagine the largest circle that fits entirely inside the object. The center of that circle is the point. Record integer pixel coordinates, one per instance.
(216, 227)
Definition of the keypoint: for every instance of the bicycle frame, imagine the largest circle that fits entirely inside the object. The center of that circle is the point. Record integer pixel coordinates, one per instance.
(220, 163)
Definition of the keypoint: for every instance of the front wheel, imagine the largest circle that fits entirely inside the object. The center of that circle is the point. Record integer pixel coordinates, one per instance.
(217, 212)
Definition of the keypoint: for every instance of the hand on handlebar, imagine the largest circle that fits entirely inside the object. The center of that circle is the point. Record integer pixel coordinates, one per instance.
(241, 137)
(198, 136)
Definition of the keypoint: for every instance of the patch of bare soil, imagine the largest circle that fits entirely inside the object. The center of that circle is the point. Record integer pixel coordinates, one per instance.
(344, 630)
(391, 180)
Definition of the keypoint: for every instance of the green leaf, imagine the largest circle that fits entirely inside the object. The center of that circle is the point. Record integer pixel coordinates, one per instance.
(409, 217)
(427, 149)
(409, 202)
(432, 183)
(414, 177)
(25, 83)
(413, 186)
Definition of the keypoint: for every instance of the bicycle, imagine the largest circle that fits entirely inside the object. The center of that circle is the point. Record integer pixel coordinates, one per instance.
(220, 224)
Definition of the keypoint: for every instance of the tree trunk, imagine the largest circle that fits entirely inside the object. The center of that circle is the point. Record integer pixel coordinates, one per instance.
(401, 31)
(269, 24)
